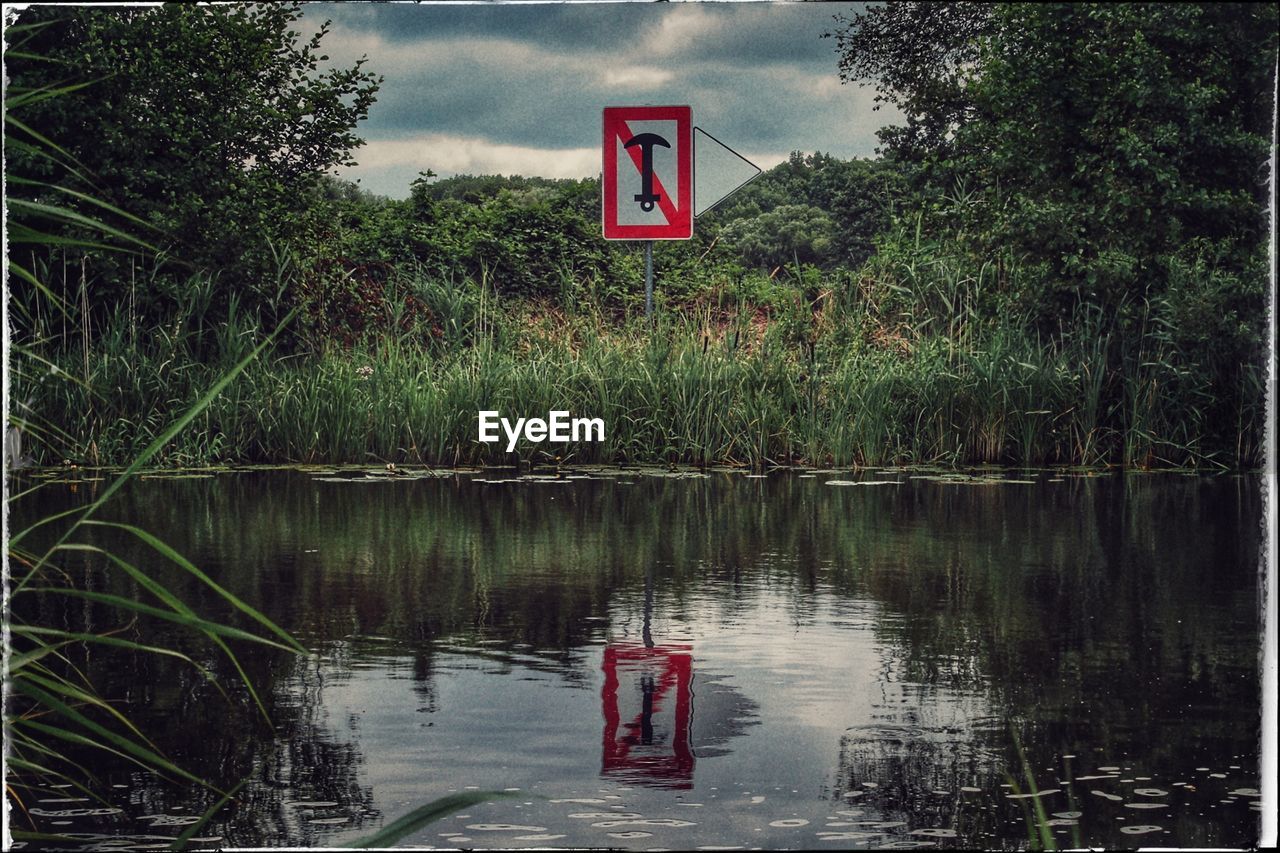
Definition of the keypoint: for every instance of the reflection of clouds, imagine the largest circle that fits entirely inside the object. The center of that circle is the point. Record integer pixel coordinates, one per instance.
(848, 635)
(819, 677)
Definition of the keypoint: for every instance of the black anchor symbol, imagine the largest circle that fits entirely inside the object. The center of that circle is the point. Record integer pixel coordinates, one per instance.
(646, 141)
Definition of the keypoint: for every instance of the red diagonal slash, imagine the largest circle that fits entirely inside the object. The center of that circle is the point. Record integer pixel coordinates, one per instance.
(664, 198)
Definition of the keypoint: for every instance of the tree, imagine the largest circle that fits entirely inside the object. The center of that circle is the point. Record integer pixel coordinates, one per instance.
(854, 197)
(787, 234)
(1118, 151)
(1097, 140)
(920, 57)
(211, 123)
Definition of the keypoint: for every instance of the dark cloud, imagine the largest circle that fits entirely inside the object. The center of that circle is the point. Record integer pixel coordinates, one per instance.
(561, 26)
(758, 75)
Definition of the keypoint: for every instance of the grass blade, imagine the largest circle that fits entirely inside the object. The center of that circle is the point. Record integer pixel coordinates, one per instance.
(189, 567)
(424, 815)
(122, 746)
(180, 843)
(168, 615)
(164, 438)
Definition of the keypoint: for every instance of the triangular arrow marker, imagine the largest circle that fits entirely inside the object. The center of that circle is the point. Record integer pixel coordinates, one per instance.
(718, 171)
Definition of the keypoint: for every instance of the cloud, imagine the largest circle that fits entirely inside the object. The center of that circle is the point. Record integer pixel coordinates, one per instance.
(449, 154)
(637, 77)
(680, 30)
(501, 88)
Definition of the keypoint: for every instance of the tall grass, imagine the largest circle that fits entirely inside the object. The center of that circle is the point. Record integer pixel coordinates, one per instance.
(55, 712)
(846, 387)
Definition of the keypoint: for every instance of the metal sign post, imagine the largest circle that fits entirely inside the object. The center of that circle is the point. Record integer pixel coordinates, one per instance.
(648, 281)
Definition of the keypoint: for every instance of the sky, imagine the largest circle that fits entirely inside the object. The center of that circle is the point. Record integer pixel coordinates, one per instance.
(518, 88)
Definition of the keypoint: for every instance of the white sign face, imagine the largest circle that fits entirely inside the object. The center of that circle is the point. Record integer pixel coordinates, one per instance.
(630, 204)
(718, 171)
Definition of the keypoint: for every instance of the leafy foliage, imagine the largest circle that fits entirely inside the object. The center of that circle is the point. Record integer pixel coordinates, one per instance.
(836, 210)
(1112, 148)
(921, 58)
(1098, 140)
(209, 123)
(1071, 178)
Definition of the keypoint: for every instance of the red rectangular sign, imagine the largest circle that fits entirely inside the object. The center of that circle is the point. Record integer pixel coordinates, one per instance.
(648, 173)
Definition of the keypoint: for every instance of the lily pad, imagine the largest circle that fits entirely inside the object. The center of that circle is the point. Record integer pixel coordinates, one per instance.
(1140, 829)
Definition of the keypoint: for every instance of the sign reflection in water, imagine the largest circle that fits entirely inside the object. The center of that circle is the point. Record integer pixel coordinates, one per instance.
(652, 689)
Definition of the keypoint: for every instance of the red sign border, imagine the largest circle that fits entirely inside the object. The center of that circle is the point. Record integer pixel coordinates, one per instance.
(682, 228)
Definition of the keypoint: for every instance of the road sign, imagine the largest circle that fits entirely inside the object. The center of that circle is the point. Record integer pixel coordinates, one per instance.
(648, 173)
(718, 171)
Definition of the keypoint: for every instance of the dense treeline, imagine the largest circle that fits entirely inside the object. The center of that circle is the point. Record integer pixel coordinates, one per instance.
(1059, 257)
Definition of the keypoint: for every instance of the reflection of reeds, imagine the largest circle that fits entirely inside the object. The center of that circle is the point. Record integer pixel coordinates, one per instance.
(1039, 836)
(402, 558)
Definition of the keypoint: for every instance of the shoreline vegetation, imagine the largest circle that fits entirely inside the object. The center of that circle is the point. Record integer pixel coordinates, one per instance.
(793, 382)
(539, 472)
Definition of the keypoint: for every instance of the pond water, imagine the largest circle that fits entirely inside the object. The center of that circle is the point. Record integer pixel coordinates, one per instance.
(649, 659)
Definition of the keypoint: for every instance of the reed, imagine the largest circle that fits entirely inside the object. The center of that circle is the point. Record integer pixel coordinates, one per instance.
(922, 360)
(56, 715)
(697, 390)
(56, 722)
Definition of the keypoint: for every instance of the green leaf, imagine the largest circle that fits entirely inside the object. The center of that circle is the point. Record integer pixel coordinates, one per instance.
(168, 615)
(70, 691)
(68, 637)
(75, 218)
(24, 835)
(425, 815)
(39, 769)
(154, 447)
(120, 745)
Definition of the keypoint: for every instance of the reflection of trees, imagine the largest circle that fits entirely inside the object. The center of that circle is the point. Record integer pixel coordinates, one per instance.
(908, 761)
(1130, 596)
(302, 765)
(1024, 587)
(1122, 629)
